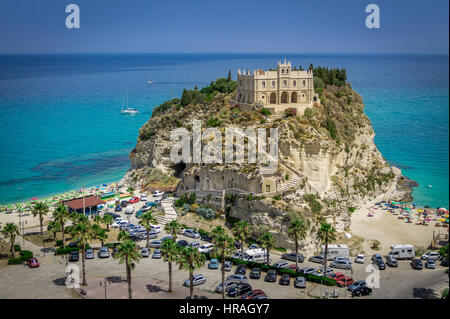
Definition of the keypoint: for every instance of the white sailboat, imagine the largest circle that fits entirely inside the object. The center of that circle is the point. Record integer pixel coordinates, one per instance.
(128, 110)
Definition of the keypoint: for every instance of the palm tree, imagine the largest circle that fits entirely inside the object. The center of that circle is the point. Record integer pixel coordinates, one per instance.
(40, 209)
(296, 231)
(222, 247)
(102, 235)
(60, 215)
(170, 251)
(54, 227)
(190, 259)
(10, 231)
(241, 232)
(123, 235)
(147, 219)
(82, 231)
(172, 228)
(325, 234)
(107, 220)
(97, 219)
(268, 242)
(128, 252)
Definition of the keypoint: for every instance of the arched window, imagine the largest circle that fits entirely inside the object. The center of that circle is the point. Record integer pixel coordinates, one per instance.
(294, 97)
(273, 98)
(284, 97)
(284, 83)
(282, 71)
(304, 83)
(263, 84)
(294, 83)
(273, 84)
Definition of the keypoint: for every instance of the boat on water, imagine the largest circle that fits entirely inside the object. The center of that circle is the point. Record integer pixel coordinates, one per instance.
(128, 110)
(150, 82)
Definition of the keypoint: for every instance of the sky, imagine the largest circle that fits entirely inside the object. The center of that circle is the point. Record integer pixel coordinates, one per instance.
(231, 26)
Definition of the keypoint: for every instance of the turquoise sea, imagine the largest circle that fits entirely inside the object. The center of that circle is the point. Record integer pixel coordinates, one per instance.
(61, 126)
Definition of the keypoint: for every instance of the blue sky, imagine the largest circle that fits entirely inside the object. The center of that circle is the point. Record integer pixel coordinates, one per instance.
(285, 26)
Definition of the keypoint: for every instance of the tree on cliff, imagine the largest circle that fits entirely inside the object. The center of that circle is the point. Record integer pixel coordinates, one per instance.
(297, 231)
(267, 242)
(326, 234)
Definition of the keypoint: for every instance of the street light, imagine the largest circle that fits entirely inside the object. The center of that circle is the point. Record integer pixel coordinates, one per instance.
(104, 283)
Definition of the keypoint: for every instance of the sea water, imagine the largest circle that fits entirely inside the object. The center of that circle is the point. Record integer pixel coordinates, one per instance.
(61, 126)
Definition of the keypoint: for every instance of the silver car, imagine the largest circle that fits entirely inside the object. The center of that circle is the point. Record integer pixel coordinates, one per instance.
(341, 264)
(194, 244)
(237, 278)
(197, 280)
(316, 259)
(430, 264)
(191, 233)
(89, 253)
(145, 252)
(228, 286)
(157, 254)
(155, 244)
(103, 252)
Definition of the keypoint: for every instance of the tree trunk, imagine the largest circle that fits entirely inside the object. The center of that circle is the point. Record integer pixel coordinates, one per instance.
(54, 237)
(130, 292)
(325, 258)
(62, 233)
(40, 222)
(267, 251)
(107, 227)
(83, 252)
(223, 275)
(296, 254)
(191, 284)
(242, 250)
(170, 277)
(12, 247)
(148, 231)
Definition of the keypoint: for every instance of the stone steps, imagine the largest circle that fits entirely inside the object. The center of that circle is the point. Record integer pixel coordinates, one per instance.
(169, 212)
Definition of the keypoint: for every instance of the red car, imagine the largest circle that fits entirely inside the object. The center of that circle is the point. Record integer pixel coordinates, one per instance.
(341, 279)
(252, 294)
(292, 266)
(133, 200)
(33, 263)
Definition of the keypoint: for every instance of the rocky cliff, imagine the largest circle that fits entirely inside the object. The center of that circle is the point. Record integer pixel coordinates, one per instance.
(328, 162)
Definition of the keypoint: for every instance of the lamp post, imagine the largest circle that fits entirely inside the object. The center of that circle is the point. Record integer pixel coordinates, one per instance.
(104, 283)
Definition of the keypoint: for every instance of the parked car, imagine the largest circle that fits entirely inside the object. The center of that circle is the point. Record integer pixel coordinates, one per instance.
(361, 291)
(129, 210)
(213, 264)
(360, 259)
(281, 264)
(158, 193)
(285, 279)
(293, 258)
(182, 243)
(261, 297)
(89, 253)
(150, 204)
(319, 272)
(205, 248)
(32, 263)
(103, 252)
(391, 261)
(124, 203)
(207, 238)
(307, 270)
(197, 280)
(416, 263)
(341, 279)
(240, 270)
(237, 245)
(166, 238)
(143, 198)
(74, 256)
(74, 243)
(156, 244)
(228, 286)
(431, 255)
(253, 246)
(156, 254)
(294, 267)
(118, 208)
(378, 261)
(271, 275)
(133, 200)
(300, 282)
(239, 290)
(237, 278)
(255, 273)
(316, 259)
(227, 265)
(145, 252)
(253, 293)
(357, 284)
(430, 264)
(157, 229)
(191, 233)
(341, 264)
(114, 251)
(194, 244)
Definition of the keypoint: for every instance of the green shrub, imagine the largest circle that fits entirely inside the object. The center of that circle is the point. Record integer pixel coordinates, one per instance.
(26, 254)
(265, 111)
(17, 248)
(205, 212)
(15, 261)
(309, 113)
(277, 197)
(213, 122)
(59, 243)
(315, 206)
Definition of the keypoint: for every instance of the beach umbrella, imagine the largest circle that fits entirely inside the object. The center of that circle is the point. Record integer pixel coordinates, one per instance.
(34, 198)
(442, 209)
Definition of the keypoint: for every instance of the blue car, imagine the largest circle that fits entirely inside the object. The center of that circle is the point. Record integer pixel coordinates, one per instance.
(213, 264)
(150, 204)
(118, 208)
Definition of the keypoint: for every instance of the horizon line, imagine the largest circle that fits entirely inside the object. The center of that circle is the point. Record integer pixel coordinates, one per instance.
(230, 53)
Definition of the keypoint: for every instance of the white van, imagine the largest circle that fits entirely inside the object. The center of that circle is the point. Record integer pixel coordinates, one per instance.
(402, 251)
(336, 250)
(255, 255)
(156, 228)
